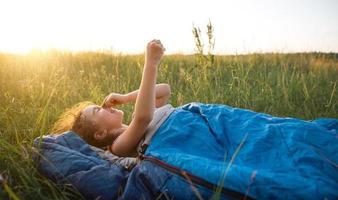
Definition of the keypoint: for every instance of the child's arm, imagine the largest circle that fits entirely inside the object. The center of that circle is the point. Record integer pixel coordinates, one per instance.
(126, 143)
(162, 94)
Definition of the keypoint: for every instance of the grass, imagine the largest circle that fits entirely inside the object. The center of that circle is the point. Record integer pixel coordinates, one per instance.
(36, 88)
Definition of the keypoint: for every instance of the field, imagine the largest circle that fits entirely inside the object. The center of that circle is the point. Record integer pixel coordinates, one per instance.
(35, 89)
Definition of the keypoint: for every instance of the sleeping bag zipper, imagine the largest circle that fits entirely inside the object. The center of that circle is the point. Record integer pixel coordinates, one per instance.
(194, 179)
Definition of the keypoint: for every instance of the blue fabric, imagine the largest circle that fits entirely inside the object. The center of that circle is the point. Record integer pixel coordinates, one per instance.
(150, 181)
(67, 159)
(257, 154)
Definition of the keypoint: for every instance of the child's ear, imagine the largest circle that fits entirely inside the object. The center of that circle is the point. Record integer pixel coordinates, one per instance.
(100, 134)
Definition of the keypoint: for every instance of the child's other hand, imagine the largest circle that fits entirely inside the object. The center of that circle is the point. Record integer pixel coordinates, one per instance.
(154, 52)
(114, 99)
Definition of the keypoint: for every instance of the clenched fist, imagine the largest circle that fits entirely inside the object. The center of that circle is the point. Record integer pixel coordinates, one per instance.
(154, 52)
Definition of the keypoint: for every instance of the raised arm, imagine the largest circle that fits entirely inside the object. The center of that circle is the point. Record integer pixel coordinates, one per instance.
(126, 143)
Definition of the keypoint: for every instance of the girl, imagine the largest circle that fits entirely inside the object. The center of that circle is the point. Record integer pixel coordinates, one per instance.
(102, 125)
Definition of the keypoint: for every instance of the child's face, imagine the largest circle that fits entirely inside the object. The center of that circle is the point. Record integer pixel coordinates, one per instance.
(106, 118)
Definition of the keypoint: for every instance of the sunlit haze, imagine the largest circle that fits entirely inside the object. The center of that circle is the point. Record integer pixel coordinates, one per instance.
(240, 26)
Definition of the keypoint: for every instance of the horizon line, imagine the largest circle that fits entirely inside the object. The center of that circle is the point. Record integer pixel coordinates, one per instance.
(124, 53)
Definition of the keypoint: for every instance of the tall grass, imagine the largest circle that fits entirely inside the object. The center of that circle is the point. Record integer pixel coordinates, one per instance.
(36, 88)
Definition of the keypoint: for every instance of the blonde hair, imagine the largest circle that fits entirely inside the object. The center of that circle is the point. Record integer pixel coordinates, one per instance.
(74, 120)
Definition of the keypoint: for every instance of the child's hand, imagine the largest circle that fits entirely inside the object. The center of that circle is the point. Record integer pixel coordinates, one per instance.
(114, 99)
(154, 52)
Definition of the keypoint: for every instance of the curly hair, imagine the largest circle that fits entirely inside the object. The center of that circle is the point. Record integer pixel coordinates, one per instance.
(74, 120)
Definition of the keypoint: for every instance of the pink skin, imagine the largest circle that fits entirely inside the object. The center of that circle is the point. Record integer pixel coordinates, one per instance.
(108, 119)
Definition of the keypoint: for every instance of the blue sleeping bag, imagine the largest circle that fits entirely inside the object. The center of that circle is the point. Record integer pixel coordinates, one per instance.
(254, 154)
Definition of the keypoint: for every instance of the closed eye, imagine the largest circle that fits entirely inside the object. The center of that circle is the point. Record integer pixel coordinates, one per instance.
(96, 109)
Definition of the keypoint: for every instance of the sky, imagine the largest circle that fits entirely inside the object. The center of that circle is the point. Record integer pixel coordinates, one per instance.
(125, 26)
